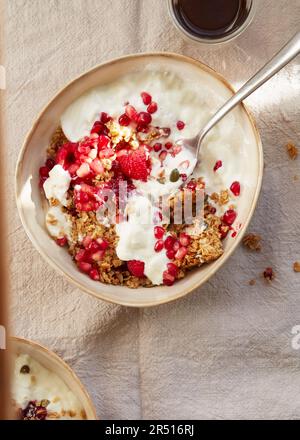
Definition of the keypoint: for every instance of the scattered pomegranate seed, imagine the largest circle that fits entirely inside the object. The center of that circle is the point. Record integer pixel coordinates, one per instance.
(157, 147)
(103, 141)
(136, 268)
(131, 112)
(105, 117)
(146, 98)
(183, 177)
(223, 231)
(172, 269)
(180, 125)
(169, 242)
(269, 274)
(94, 274)
(159, 245)
(176, 150)
(103, 244)
(218, 165)
(144, 118)
(87, 241)
(159, 231)
(192, 184)
(98, 255)
(97, 166)
(181, 253)
(235, 188)
(50, 163)
(83, 170)
(168, 279)
(165, 131)
(170, 254)
(124, 120)
(234, 234)
(184, 239)
(152, 108)
(62, 241)
(44, 172)
(168, 145)
(229, 217)
(85, 267)
(162, 155)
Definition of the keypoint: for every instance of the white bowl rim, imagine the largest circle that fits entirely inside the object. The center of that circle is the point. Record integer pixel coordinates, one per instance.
(44, 350)
(218, 263)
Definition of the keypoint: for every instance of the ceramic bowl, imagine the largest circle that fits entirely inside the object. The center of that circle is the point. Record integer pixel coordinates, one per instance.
(33, 153)
(55, 364)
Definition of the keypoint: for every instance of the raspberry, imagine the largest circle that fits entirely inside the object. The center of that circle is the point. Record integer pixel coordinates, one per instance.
(136, 268)
(134, 165)
(66, 155)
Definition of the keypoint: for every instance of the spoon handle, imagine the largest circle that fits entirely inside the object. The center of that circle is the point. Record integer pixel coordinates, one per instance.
(283, 57)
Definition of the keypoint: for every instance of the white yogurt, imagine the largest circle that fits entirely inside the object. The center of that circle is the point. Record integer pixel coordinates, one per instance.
(137, 239)
(57, 184)
(42, 384)
(58, 223)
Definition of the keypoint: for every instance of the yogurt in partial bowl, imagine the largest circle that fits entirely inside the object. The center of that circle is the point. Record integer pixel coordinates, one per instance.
(43, 387)
(235, 141)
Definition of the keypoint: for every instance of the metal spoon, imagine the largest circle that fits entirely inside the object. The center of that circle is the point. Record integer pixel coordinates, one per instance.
(283, 57)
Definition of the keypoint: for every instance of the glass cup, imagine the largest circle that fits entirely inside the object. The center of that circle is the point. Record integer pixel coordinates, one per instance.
(240, 23)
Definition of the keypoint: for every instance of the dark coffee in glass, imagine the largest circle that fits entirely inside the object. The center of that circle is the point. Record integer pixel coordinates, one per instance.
(211, 19)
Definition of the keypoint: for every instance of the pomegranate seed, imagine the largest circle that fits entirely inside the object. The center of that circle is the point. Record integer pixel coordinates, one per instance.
(229, 217)
(191, 185)
(223, 231)
(61, 241)
(73, 168)
(152, 108)
(50, 163)
(212, 210)
(98, 256)
(103, 141)
(184, 239)
(169, 242)
(183, 177)
(218, 165)
(172, 269)
(97, 166)
(234, 234)
(87, 241)
(103, 244)
(170, 254)
(105, 117)
(165, 131)
(180, 125)
(106, 153)
(159, 232)
(157, 217)
(94, 274)
(146, 98)
(176, 246)
(93, 246)
(269, 274)
(124, 120)
(131, 112)
(159, 245)
(236, 188)
(181, 253)
(44, 172)
(157, 147)
(83, 170)
(136, 268)
(162, 155)
(97, 128)
(81, 255)
(168, 145)
(85, 267)
(168, 279)
(144, 118)
(176, 150)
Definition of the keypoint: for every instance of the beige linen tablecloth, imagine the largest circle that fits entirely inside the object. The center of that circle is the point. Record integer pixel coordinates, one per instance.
(225, 350)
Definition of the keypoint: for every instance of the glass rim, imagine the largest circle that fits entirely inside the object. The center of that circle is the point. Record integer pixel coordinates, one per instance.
(212, 41)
